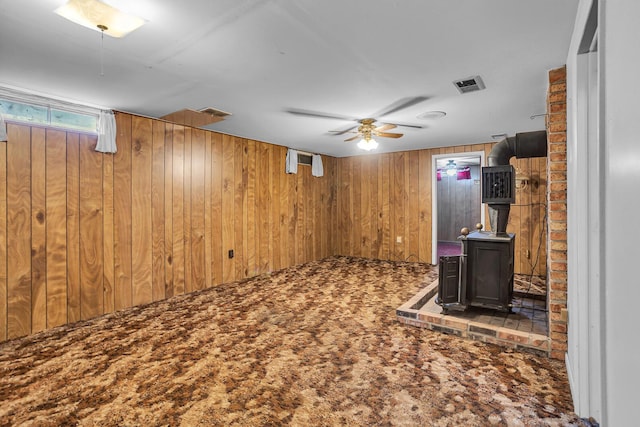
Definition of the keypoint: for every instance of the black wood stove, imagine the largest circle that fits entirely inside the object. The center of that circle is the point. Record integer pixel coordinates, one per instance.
(483, 275)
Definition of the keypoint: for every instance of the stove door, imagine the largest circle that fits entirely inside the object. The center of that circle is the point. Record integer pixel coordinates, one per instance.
(449, 280)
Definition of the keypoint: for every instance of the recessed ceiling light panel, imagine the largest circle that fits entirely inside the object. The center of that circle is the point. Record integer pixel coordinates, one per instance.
(100, 17)
(431, 115)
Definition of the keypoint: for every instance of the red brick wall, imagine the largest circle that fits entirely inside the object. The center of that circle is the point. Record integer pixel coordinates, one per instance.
(557, 211)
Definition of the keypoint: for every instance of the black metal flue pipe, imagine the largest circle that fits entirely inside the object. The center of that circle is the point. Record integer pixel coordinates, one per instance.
(524, 145)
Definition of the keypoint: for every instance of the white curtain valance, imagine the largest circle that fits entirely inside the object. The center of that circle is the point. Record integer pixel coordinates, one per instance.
(291, 164)
(316, 166)
(106, 133)
(3, 130)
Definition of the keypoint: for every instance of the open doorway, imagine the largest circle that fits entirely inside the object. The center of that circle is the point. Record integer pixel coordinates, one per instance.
(456, 200)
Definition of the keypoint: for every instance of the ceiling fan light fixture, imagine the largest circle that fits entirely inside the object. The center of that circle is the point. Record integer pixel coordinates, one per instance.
(368, 144)
(99, 16)
(451, 168)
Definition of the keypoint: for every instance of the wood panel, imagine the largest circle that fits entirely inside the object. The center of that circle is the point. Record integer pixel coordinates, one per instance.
(198, 158)
(122, 212)
(285, 242)
(38, 231)
(178, 177)
(424, 205)
(208, 200)
(141, 235)
(228, 204)
(91, 257)
(73, 227)
(18, 234)
(3, 242)
(91, 233)
(158, 212)
(168, 211)
(186, 206)
(108, 272)
(216, 209)
(56, 213)
(262, 234)
(274, 185)
(239, 196)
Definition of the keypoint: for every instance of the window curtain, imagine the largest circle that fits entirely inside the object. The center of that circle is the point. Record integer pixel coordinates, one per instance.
(464, 173)
(106, 133)
(3, 130)
(316, 166)
(291, 164)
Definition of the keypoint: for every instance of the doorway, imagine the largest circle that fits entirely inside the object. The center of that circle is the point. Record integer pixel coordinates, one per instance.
(456, 200)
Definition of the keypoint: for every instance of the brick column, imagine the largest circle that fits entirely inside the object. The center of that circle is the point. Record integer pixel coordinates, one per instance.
(557, 211)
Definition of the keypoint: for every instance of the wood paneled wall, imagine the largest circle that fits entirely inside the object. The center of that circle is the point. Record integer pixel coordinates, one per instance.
(84, 233)
(382, 197)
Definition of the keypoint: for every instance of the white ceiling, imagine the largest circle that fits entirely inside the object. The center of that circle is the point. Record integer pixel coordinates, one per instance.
(260, 60)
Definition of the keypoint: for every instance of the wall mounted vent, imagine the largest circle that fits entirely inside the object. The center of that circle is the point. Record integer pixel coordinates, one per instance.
(470, 84)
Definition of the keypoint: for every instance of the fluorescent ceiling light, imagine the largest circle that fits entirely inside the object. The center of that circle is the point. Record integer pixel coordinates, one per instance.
(98, 16)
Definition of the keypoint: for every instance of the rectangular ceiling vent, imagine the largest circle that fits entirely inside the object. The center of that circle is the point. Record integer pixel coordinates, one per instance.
(214, 112)
(196, 118)
(470, 84)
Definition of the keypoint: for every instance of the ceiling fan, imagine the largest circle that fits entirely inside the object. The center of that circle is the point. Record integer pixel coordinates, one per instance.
(365, 128)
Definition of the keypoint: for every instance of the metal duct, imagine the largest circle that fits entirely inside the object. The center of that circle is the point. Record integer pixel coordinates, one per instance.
(524, 145)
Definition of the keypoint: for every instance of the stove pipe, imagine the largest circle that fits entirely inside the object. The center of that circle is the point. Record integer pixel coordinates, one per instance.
(523, 145)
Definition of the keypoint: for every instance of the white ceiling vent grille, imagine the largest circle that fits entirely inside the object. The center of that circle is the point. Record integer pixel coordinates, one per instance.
(470, 84)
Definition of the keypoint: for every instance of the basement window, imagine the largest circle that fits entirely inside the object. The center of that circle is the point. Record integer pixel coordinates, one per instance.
(304, 159)
(48, 115)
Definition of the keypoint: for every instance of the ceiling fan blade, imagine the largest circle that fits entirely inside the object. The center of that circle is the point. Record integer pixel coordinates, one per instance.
(388, 134)
(409, 125)
(400, 105)
(319, 114)
(385, 126)
(343, 130)
(353, 138)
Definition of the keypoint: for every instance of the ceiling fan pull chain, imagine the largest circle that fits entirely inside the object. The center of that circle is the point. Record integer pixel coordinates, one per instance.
(102, 29)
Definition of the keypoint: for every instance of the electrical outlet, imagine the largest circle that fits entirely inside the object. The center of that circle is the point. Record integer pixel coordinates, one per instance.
(528, 254)
(398, 239)
(230, 253)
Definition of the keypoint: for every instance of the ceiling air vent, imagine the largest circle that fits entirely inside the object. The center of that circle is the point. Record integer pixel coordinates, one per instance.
(214, 112)
(470, 84)
(196, 118)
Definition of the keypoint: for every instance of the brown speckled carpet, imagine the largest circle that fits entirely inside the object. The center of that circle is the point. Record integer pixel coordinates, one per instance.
(313, 345)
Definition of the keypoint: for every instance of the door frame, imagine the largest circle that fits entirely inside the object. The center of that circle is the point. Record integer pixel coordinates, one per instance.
(434, 195)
